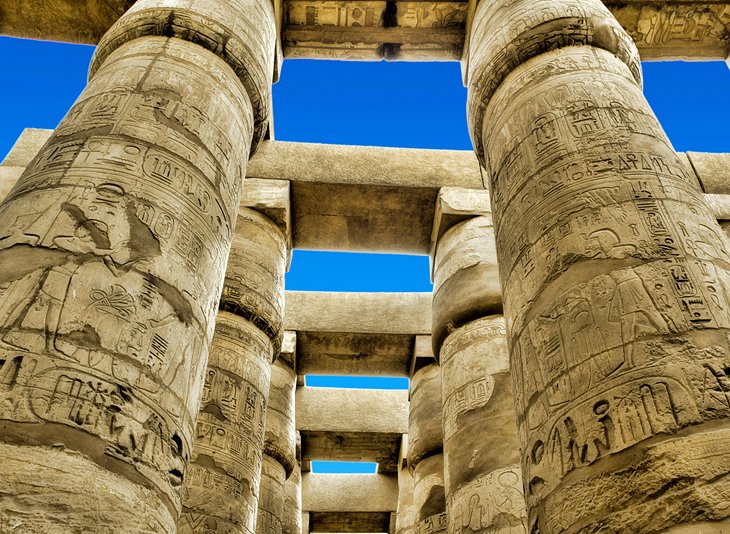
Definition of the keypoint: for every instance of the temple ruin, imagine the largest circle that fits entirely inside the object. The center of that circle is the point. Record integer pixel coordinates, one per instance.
(569, 373)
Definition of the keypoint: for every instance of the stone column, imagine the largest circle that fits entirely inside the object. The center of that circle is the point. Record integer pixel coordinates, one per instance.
(113, 247)
(291, 521)
(425, 450)
(279, 449)
(406, 514)
(482, 475)
(223, 487)
(614, 274)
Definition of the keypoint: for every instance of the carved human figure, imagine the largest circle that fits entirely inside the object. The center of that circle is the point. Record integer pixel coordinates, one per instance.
(112, 255)
(614, 291)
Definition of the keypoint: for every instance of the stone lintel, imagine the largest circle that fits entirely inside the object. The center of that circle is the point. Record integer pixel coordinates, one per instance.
(352, 425)
(349, 493)
(316, 28)
(356, 333)
(352, 410)
(374, 313)
(364, 198)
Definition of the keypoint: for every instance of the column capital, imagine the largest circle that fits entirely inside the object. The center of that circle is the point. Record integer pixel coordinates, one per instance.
(241, 32)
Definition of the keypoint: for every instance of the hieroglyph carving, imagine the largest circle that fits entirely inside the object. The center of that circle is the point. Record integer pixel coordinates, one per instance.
(113, 246)
(225, 469)
(614, 271)
(482, 475)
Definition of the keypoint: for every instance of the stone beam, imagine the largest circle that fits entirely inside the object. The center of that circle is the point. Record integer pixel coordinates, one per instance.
(356, 333)
(364, 198)
(355, 425)
(349, 503)
(402, 30)
(360, 198)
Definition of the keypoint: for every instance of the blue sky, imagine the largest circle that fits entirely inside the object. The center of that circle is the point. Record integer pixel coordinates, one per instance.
(420, 105)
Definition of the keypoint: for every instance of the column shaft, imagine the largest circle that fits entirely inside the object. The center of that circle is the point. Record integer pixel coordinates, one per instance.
(425, 450)
(279, 449)
(113, 246)
(614, 274)
(483, 478)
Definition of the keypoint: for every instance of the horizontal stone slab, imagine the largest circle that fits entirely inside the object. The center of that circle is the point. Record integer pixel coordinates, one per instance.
(351, 425)
(352, 410)
(349, 493)
(418, 31)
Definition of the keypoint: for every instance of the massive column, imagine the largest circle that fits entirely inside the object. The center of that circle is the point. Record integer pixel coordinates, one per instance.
(482, 475)
(113, 246)
(280, 446)
(425, 450)
(406, 514)
(223, 486)
(614, 274)
(291, 521)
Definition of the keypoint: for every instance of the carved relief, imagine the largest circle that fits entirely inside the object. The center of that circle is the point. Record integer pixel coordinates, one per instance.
(483, 480)
(614, 277)
(223, 486)
(114, 244)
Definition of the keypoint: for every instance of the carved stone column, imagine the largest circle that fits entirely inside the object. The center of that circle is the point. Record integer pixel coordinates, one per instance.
(614, 274)
(406, 513)
(225, 471)
(482, 474)
(223, 489)
(113, 247)
(483, 477)
(279, 449)
(425, 450)
(291, 521)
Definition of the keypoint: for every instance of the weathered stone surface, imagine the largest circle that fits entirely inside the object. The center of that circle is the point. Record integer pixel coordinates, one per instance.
(291, 520)
(428, 495)
(352, 425)
(271, 501)
(712, 171)
(254, 283)
(76, 21)
(359, 410)
(349, 493)
(241, 32)
(225, 468)
(113, 246)
(356, 333)
(281, 437)
(406, 512)
(390, 209)
(482, 473)
(402, 30)
(425, 432)
(614, 277)
(49, 490)
(466, 277)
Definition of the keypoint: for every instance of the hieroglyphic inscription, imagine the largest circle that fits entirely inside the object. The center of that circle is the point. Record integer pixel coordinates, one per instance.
(114, 244)
(241, 32)
(228, 449)
(254, 283)
(615, 275)
(483, 481)
(271, 503)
